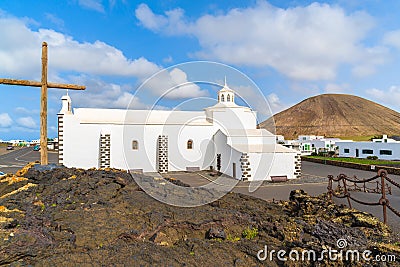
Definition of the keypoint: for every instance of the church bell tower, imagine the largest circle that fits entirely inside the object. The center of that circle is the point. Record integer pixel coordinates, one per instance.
(226, 96)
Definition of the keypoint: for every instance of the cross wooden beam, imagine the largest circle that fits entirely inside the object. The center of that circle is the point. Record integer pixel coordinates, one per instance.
(44, 84)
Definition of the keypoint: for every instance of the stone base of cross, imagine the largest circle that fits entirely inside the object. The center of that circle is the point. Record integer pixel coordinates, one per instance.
(44, 84)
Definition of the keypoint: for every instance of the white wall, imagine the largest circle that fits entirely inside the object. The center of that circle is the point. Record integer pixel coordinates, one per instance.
(81, 144)
(235, 118)
(265, 165)
(375, 147)
(252, 140)
(228, 155)
(179, 156)
(144, 157)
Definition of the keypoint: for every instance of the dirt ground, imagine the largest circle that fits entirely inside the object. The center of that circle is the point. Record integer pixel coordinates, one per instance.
(69, 217)
(3, 149)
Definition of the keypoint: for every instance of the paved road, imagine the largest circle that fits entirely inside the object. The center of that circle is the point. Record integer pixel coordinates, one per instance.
(323, 170)
(310, 169)
(13, 161)
(315, 168)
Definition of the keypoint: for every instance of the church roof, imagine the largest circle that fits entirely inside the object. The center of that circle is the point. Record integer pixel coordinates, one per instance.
(256, 141)
(262, 148)
(249, 132)
(226, 87)
(227, 105)
(140, 117)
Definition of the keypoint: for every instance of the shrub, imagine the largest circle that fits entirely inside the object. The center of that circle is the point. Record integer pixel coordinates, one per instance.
(331, 153)
(250, 233)
(233, 238)
(314, 154)
(372, 157)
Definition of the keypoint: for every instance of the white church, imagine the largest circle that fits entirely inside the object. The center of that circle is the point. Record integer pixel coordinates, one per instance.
(222, 137)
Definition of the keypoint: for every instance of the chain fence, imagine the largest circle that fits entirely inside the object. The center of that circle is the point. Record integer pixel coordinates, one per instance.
(379, 184)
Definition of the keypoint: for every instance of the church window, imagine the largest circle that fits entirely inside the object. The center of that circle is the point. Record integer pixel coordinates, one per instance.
(222, 98)
(189, 144)
(228, 98)
(135, 145)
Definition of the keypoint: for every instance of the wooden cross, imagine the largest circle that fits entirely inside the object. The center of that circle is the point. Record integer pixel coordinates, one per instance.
(43, 102)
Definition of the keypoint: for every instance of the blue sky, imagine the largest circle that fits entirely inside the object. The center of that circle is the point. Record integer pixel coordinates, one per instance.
(291, 49)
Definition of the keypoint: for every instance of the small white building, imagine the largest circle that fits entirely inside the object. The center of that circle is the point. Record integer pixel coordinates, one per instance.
(383, 148)
(292, 144)
(384, 139)
(222, 137)
(308, 144)
(34, 142)
(17, 142)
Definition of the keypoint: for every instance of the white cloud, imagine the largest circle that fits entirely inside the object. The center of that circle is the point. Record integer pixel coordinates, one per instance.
(392, 38)
(20, 54)
(275, 103)
(306, 43)
(95, 5)
(94, 58)
(55, 20)
(149, 19)
(372, 58)
(25, 111)
(53, 130)
(254, 98)
(168, 59)
(5, 120)
(336, 88)
(27, 122)
(100, 94)
(389, 97)
(20, 58)
(173, 84)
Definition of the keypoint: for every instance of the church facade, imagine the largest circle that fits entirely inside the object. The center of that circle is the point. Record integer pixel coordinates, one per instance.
(223, 137)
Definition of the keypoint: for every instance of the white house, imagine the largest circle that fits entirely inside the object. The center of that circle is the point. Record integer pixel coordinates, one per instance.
(383, 148)
(223, 137)
(307, 144)
(384, 139)
(17, 142)
(34, 142)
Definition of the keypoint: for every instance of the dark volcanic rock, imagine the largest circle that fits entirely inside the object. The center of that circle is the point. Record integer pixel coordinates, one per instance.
(215, 233)
(68, 217)
(330, 233)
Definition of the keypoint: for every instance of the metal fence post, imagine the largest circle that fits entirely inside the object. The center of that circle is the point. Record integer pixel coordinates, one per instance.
(384, 200)
(346, 193)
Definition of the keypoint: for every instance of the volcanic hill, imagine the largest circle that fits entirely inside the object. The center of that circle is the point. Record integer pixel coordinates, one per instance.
(335, 115)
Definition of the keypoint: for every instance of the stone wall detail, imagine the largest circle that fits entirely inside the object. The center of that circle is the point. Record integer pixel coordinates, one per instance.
(162, 154)
(245, 167)
(297, 165)
(60, 139)
(105, 151)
